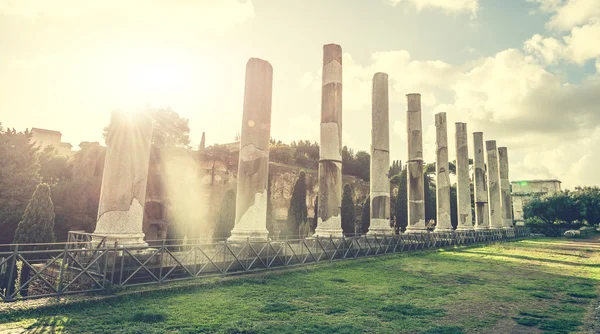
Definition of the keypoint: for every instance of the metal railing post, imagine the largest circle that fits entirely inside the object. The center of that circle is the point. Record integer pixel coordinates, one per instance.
(11, 273)
(162, 253)
(62, 271)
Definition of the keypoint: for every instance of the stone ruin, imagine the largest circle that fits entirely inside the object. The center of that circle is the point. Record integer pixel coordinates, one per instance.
(125, 175)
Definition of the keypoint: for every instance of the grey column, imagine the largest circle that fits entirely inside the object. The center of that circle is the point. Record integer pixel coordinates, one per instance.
(482, 216)
(463, 186)
(416, 189)
(123, 192)
(493, 184)
(380, 157)
(251, 197)
(505, 198)
(442, 195)
(329, 222)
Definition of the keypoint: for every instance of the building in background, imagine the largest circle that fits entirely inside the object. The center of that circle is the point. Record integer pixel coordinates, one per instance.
(522, 192)
(44, 138)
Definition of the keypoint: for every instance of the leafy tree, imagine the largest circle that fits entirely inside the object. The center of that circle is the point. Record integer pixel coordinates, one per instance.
(365, 218)
(347, 211)
(283, 154)
(53, 167)
(226, 219)
(169, 129)
(395, 168)
(430, 199)
(37, 225)
(453, 206)
(18, 179)
(402, 203)
(316, 214)
(588, 201)
(555, 208)
(298, 211)
(363, 165)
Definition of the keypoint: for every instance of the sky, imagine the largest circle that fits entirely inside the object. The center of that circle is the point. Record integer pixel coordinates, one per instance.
(524, 72)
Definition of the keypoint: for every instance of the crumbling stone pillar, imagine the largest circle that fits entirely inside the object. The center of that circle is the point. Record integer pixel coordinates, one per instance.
(415, 182)
(329, 222)
(442, 195)
(493, 184)
(505, 198)
(463, 186)
(482, 219)
(251, 198)
(123, 192)
(380, 157)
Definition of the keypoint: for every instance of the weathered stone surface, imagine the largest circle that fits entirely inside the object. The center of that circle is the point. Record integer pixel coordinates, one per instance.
(414, 175)
(123, 194)
(505, 197)
(481, 193)
(380, 157)
(329, 221)
(493, 184)
(442, 195)
(253, 168)
(463, 186)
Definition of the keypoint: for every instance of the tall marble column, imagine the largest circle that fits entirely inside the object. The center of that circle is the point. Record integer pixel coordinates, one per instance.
(505, 198)
(123, 192)
(493, 184)
(482, 218)
(251, 198)
(463, 183)
(442, 195)
(329, 222)
(380, 157)
(415, 182)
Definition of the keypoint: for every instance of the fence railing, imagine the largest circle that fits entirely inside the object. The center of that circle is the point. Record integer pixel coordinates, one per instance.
(548, 232)
(85, 265)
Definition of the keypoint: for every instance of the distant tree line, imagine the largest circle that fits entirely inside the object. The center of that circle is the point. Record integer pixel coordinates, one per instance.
(569, 209)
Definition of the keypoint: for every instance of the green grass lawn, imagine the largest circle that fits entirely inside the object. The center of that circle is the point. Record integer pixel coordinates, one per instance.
(530, 286)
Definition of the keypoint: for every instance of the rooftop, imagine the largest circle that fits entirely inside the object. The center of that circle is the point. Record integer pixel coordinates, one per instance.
(46, 131)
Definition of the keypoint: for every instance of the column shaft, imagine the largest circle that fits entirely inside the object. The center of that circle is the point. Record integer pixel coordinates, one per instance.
(493, 185)
(330, 162)
(481, 193)
(251, 197)
(380, 157)
(443, 223)
(505, 197)
(463, 186)
(416, 189)
(123, 192)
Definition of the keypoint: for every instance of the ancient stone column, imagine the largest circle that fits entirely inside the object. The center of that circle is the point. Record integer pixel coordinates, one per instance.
(380, 157)
(329, 222)
(251, 198)
(442, 195)
(202, 144)
(415, 182)
(493, 184)
(463, 181)
(482, 219)
(123, 192)
(505, 198)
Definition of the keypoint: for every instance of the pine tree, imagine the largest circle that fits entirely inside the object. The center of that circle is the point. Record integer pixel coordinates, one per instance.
(313, 226)
(347, 211)
(298, 211)
(365, 218)
(37, 225)
(226, 220)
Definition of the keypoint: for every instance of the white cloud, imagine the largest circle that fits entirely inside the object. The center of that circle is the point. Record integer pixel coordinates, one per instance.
(449, 6)
(192, 15)
(570, 13)
(577, 47)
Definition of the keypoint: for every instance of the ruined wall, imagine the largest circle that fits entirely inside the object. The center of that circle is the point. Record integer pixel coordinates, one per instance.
(522, 191)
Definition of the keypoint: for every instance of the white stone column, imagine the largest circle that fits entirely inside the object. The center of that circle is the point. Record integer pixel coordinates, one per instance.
(493, 185)
(380, 157)
(463, 186)
(414, 175)
(329, 222)
(482, 218)
(123, 192)
(505, 197)
(442, 195)
(253, 166)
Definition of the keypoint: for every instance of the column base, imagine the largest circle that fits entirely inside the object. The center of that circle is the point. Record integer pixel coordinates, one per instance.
(481, 228)
(380, 226)
(465, 228)
(331, 227)
(416, 229)
(443, 230)
(239, 235)
(122, 239)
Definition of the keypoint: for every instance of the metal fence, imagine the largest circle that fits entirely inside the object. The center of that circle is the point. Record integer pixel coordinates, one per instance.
(87, 264)
(548, 231)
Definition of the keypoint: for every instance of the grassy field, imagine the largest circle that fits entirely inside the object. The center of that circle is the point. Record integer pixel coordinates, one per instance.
(530, 286)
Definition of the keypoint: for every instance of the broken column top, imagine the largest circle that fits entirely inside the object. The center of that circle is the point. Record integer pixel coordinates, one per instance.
(332, 52)
(490, 145)
(259, 62)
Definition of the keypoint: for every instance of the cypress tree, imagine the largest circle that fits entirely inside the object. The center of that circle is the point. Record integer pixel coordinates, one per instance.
(347, 211)
(316, 214)
(226, 219)
(402, 204)
(37, 225)
(365, 218)
(298, 211)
